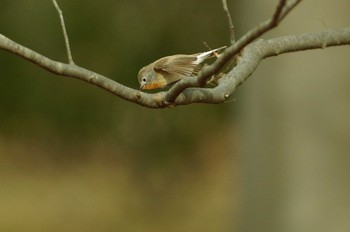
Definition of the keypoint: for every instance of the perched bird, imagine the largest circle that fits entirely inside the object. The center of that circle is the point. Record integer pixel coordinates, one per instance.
(170, 69)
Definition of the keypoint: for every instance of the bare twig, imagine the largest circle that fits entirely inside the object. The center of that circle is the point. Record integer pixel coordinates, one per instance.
(281, 11)
(66, 40)
(230, 23)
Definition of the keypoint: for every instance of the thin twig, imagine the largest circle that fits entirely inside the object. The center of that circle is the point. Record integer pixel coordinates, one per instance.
(66, 40)
(281, 12)
(230, 23)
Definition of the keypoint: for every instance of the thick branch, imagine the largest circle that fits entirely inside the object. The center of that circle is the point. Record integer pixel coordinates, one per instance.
(249, 60)
(72, 70)
(255, 52)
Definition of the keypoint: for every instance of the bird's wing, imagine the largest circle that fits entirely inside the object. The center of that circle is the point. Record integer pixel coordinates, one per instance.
(185, 65)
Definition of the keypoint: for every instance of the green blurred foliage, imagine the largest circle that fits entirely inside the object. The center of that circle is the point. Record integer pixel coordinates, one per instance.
(76, 158)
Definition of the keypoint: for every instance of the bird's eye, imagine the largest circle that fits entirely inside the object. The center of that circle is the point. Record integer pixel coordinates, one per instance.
(144, 79)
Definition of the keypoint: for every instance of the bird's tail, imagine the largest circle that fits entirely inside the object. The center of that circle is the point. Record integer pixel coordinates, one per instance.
(205, 55)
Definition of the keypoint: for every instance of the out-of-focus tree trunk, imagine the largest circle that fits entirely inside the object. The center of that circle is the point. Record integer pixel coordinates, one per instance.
(295, 128)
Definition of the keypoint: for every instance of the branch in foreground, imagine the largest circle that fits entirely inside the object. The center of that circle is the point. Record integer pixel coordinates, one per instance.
(282, 9)
(250, 58)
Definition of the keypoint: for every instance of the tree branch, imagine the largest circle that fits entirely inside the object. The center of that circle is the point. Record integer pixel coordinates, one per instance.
(249, 60)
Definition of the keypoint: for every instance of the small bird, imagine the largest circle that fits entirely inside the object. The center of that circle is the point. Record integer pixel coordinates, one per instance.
(170, 69)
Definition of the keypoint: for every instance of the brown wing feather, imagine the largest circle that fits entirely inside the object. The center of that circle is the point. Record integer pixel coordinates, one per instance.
(179, 64)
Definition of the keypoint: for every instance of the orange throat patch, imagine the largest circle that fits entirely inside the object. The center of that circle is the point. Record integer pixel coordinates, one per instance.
(155, 85)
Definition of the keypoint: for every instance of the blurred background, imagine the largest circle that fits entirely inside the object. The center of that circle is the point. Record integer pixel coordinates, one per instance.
(74, 157)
